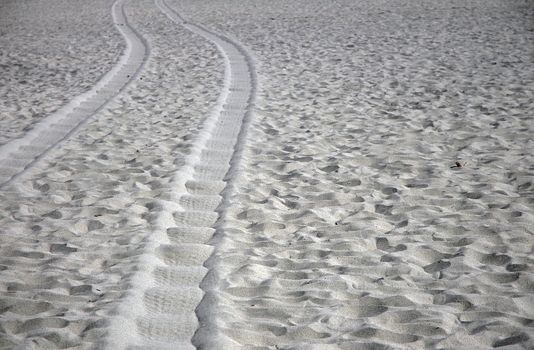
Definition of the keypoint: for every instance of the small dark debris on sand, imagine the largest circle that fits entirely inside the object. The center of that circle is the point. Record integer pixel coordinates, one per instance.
(458, 165)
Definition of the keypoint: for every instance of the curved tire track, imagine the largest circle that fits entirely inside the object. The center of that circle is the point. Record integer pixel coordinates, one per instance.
(161, 309)
(19, 155)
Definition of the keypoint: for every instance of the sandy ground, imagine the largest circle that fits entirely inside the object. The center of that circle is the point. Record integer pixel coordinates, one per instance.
(51, 52)
(348, 225)
(72, 228)
(349, 228)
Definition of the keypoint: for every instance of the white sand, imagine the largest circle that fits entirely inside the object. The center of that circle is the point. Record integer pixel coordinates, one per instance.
(51, 51)
(160, 309)
(349, 229)
(341, 224)
(74, 225)
(18, 155)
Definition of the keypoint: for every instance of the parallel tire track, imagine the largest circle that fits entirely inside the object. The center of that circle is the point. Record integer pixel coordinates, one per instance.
(161, 309)
(19, 155)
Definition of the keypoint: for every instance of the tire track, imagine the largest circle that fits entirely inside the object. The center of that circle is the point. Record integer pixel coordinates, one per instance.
(19, 155)
(161, 309)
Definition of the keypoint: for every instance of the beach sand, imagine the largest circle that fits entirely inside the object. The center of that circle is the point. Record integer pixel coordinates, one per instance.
(73, 226)
(52, 51)
(344, 221)
(350, 226)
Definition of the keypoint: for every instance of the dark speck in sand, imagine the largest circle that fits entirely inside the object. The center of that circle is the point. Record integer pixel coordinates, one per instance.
(457, 165)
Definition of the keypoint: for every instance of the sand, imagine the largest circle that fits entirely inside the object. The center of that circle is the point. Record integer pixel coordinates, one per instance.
(328, 212)
(18, 155)
(349, 229)
(74, 224)
(52, 51)
(159, 310)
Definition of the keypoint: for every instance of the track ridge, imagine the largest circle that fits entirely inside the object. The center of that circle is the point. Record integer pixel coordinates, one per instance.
(20, 155)
(161, 309)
